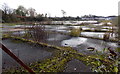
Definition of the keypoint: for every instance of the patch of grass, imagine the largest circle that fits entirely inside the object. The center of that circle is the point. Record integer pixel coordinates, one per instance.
(54, 64)
(1, 27)
(118, 49)
(10, 24)
(98, 64)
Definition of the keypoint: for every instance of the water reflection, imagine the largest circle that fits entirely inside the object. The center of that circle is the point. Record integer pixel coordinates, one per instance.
(74, 41)
(93, 34)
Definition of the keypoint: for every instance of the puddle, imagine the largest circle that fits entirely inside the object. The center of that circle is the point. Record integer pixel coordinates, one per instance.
(97, 34)
(74, 41)
(19, 32)
(54, 37)
(81, 44)
(93, 34)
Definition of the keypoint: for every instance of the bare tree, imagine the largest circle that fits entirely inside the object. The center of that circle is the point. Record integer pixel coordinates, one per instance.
(63, 12)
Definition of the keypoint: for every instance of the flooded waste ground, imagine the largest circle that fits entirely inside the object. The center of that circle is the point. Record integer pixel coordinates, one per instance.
(48, 36)
(57, 36)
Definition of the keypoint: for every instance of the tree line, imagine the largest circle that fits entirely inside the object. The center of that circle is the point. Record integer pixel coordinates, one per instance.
(21, 14)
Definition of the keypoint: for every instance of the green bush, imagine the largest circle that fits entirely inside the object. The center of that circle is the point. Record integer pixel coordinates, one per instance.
(75, 32)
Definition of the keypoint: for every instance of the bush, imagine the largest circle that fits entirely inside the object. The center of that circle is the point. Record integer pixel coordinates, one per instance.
(36, 33)
(106, 36)
(75, 32)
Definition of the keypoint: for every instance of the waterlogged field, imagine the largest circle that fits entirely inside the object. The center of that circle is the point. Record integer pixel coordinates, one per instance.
(61, 48)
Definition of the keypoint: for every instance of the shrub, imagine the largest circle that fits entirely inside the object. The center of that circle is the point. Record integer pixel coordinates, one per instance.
(75, 32)
(106, 36)
(36, 33)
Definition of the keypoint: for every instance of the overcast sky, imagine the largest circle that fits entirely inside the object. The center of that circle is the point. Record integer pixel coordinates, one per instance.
(72, 7)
